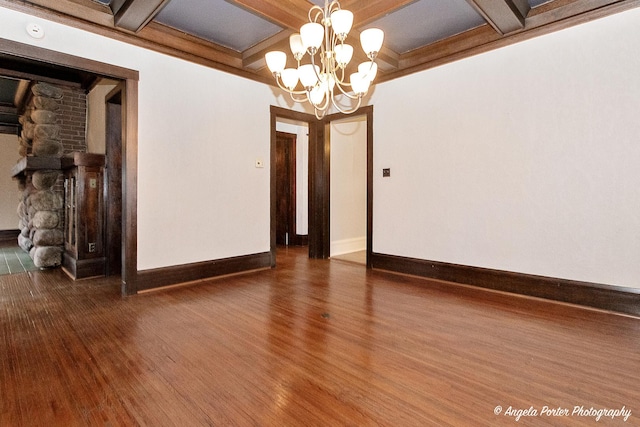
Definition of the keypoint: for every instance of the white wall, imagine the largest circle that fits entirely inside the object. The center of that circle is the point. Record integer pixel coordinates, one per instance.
(96, 116)
(9, 193)
(523, 159)
(348, 207)
(301, 130)
(200, 196)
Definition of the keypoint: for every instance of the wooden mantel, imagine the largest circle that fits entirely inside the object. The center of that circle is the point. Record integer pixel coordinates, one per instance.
(32, 163)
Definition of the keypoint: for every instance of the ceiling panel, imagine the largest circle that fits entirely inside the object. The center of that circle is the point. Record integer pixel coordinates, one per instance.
(426, 21)
(217, 21)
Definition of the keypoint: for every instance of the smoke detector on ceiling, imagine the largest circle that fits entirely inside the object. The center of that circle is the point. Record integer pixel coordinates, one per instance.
(35, 30)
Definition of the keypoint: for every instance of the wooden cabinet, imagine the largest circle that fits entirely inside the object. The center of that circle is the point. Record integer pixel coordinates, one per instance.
(84, 246)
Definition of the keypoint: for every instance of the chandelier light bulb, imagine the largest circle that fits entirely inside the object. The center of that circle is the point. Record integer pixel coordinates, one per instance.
(276, 61)
(312, 35)
(308, 77)
(297, 48)
(289, 78)
(343, 52)
(359, 83)
(341, 20)
(368, 69)
(316, 96)
(371, 40)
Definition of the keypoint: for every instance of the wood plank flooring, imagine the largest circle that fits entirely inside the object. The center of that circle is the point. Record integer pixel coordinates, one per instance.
(310, 343)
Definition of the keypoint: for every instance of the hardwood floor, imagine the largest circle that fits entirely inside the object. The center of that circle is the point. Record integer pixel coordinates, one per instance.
(312, 342)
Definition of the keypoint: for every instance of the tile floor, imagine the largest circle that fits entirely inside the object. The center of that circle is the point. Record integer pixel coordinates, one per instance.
(14, 260)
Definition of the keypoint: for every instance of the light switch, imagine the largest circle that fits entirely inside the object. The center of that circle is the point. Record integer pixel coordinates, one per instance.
(386, 172)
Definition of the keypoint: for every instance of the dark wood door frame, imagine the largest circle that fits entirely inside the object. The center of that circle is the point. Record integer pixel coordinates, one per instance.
(289, 157)
(113, 181)
(44, 59)
(278, 112)
(319, 179)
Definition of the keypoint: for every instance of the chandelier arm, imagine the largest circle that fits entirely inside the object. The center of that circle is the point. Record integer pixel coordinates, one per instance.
(286, 89)
(340, 80)
(320, 116)
(325, 105)
(347, 111)
(347, 94)
(313, 62)
(319, 12)
(300, 100)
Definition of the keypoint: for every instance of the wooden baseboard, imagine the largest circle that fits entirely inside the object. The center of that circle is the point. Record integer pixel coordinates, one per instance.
(83, 268)
(9, 235)
(606, 297)
(160, 277)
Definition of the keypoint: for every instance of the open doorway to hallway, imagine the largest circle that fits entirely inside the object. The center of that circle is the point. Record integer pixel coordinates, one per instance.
(38, 64)
(348, 208)
(319, 178)
(292, 182)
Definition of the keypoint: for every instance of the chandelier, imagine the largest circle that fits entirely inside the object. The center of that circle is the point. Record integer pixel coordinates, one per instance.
(325, 76)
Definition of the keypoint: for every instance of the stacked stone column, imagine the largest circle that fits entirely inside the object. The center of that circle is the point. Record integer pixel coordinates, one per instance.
(40, 212)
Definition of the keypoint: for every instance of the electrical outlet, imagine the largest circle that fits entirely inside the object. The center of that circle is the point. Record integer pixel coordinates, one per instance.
(92, 247)
(259, 163)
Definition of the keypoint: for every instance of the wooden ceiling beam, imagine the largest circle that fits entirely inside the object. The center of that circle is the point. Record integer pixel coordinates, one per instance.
(86, 10)
(254, 56)
(8, 109)
(22, 93)
(133, 15)
(505, 16)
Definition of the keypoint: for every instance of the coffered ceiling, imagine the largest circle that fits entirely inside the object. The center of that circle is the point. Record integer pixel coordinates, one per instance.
(234, 35)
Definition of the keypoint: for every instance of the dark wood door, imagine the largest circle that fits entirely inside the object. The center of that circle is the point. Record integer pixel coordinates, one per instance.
(285, 188)
(113, 187)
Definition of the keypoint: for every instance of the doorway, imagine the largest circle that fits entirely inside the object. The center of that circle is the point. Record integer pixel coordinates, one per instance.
(319, 180)
(286, 231)
(38, 63)
(348, 208)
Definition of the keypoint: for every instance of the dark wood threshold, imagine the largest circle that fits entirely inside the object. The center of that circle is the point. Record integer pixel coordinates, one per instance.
(606, 297)
(160, 277)
(6, 235)
(299, 240)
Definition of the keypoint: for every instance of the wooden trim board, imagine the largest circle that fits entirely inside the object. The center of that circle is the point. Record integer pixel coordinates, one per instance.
(606, 297)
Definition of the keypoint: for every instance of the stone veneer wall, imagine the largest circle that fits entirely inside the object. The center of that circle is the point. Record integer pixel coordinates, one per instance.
(54, 124)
